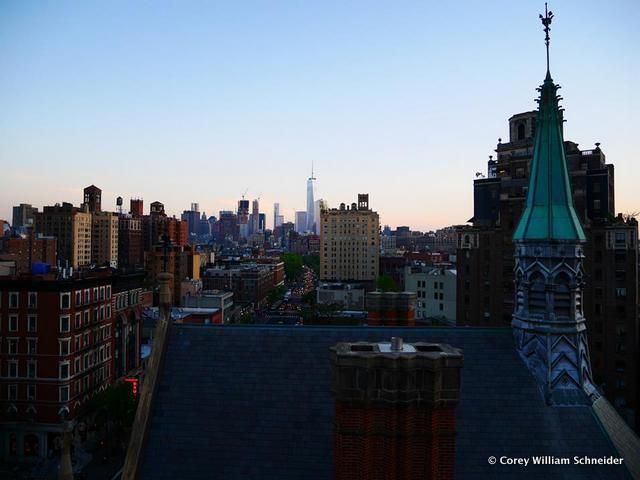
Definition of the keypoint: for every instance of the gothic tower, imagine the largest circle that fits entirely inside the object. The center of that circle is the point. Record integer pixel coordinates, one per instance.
(548, 322)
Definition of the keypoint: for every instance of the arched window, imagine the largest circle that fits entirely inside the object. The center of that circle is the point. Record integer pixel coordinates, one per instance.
(521, 131)
(562, 296)
(31, 445)
(537, 296)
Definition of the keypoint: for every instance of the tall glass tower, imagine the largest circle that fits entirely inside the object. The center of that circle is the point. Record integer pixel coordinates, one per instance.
(311, 220)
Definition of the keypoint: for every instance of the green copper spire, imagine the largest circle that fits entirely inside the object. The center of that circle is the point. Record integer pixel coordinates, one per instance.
(549, 213)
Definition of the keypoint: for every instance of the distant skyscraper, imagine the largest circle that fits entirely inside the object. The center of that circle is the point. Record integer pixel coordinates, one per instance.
(311, 222)
(192, 217)
(278, 219)
(255, 217)
(243, 217)
(301, 222)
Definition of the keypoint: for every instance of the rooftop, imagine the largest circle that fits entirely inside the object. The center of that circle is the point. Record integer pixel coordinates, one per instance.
(255, 402)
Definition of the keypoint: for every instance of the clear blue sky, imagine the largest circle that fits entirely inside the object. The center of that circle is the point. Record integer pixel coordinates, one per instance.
(187, 101)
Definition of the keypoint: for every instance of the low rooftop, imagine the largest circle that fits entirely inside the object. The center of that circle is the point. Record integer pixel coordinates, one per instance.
(252, 402)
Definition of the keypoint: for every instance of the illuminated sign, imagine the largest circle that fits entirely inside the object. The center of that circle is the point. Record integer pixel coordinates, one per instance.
(134, 385)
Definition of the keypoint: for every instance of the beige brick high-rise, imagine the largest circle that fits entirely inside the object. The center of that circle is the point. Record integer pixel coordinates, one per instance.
(104, 238)
(350, 242)
(72, 228)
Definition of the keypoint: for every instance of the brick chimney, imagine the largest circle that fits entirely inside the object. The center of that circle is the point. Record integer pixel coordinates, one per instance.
(395, 409)
(391, 308)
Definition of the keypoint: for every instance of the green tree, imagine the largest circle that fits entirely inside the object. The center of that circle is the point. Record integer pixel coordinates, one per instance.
(116, 404)
(276, 294)
(387, 284)
(292, 265)
(313, 262)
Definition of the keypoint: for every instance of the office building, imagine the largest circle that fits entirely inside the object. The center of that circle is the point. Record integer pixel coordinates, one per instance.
(350, 243)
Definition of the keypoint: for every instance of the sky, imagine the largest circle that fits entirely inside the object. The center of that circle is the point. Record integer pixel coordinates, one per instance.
(189, 101)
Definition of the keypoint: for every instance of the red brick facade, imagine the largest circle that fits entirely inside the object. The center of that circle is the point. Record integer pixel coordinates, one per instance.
(391, 309)
(395, 410)
(394, 442)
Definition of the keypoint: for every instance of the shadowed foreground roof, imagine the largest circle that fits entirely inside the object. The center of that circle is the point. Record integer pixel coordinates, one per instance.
(252, 402)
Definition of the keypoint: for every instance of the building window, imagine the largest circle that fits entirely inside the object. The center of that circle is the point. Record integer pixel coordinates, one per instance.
(13, 392)
(12, 346)
(31, 391)
(13, 323)
(621, 292)
(77, 365)
(86, 296)
(32, 369)
(32, 323)
(77, 343)
(65, 300)
(32, 346)
(13, 369)
(78, 322)
(64, 323)
(33, 299)
(64, 346)
(85, 341)
(108, 312)
(95, 294)
(101, 293)
(64, 370)
(13, 300)
(108, 291)
(78, 298)
(537, 295)
(441, 307)
(86, 317)
(63, 393)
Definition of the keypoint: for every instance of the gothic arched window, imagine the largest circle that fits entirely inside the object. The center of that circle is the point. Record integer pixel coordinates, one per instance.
(562, 297)
(537, 296)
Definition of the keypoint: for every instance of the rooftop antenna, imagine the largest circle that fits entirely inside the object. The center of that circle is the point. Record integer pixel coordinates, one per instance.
(546, 21)
(245, 192)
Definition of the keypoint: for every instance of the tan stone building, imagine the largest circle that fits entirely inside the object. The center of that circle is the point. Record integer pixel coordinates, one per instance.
(104, 238)
(350, 242)
(72, 228)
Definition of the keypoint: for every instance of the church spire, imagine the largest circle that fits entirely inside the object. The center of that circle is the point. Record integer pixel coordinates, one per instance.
(549, 326)
(549, 213)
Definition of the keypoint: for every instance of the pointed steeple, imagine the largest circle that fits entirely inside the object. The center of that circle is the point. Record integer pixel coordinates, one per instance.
(549, 326)
(549, 213)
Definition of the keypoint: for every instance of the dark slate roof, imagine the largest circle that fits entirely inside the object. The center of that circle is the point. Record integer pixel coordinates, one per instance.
(253, 402)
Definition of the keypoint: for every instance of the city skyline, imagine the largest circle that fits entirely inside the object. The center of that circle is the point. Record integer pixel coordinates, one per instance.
(404, 104)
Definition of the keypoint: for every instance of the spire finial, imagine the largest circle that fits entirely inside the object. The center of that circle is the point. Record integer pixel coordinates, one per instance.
(546, 21)
(311, 168)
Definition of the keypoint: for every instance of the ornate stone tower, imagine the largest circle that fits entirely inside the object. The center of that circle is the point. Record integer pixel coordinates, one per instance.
(548, 321)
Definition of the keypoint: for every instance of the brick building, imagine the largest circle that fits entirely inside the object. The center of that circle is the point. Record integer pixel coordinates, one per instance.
(396, 309)
(157, 224)
(104, 239)
(56, 352)
(130, 244)
(485, 279)
(350, 243)
(128, 297)
(26, 251)
(386, 426)
(183, 262)
(71, 226)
